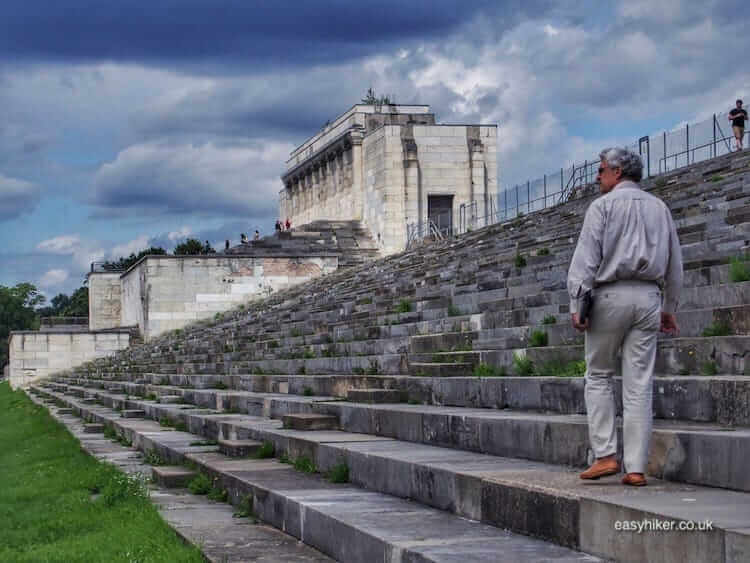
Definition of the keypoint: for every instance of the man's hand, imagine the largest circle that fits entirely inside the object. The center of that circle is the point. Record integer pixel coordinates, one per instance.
(576, 323)
(669, 324)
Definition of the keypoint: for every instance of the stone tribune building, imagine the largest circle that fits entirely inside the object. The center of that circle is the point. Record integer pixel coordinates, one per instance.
(389, 166)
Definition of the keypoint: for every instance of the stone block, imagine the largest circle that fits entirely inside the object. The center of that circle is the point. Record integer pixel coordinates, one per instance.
(93, 428)
(375, 395)
(171, 476)
(306, 421)
(239, 448)
(132, 413)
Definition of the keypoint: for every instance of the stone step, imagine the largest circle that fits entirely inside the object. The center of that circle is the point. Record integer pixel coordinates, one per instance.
(93, 428)
(172, 476)
(721, 399)
(310, 421)
(132, 413)
(345, 521)
(535, 499)
(375, 396)
(239, 448)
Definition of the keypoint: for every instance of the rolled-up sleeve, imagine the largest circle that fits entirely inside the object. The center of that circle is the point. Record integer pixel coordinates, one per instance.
(588, 254)
(673, 276)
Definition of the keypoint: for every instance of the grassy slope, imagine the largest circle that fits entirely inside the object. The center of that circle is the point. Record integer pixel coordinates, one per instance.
(46, 507)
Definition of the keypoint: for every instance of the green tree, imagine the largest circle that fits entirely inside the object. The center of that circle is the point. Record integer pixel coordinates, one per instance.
(125, 263)
(190, 246)
(78, 304)
(17, 312)
(373, 99)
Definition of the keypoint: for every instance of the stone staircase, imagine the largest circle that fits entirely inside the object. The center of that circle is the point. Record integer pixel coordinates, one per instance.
(447, 380)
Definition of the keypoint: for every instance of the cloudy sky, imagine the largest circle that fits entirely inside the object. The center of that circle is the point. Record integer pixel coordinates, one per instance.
(131, 123)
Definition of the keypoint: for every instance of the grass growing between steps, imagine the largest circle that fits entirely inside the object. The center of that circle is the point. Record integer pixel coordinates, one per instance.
(59, 504)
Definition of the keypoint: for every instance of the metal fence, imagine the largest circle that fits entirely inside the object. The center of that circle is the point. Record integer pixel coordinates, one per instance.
(661, 153)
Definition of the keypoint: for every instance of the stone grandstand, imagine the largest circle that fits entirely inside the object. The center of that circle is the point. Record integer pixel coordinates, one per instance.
(448, 380)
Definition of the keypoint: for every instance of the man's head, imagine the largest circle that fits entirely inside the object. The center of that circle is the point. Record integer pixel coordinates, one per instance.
(739, 103)
(617, 165)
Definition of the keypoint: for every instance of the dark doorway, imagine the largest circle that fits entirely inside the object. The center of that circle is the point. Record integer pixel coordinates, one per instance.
(440, 212)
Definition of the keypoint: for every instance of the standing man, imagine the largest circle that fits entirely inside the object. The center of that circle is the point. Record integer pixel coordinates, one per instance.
(627, 251)
(738, 116)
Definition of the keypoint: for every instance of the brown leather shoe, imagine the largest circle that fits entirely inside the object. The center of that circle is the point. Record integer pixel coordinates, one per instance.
(634, 480)
(602, 467)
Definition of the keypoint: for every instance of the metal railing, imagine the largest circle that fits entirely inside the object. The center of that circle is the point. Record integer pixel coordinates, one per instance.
(104, 267)
(661, 153)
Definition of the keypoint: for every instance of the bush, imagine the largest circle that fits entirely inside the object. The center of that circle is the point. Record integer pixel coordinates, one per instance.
(556, 368)
(153, 458)
(520, 261)
(523, 365)
(488, 370)
(549, 320)
(307, 392)
(304, 464)
(538, 339)
(219, 385)
(543, 252)
(218, 494)
(200, 485)
(265, 451)
(710, 368)
(308, 354)
(718, 328)
(453, 311)
(404, 306)
(339, 473)
(739, 270)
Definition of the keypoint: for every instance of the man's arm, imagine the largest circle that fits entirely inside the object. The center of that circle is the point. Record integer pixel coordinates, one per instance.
(673, 277)
(588, 254)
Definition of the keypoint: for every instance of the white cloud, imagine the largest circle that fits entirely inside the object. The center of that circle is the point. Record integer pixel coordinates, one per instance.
(207, 178)
(180, 234)
(63, 244)
(131, 247)
(82, 251)
(16, 197)
(550, 30)
(53, 277)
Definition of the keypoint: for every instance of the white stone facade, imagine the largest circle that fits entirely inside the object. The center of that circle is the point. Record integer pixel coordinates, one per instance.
(105, 303)
(34, 355)
(384, 165)
(163, 293)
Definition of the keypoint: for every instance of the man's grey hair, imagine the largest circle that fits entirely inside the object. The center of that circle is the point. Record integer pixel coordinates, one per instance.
(629, 162)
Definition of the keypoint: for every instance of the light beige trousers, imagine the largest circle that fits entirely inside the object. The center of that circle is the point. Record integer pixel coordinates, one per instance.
(625, 319)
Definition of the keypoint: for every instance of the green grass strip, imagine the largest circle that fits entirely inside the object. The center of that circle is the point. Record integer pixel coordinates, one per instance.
(60, 504)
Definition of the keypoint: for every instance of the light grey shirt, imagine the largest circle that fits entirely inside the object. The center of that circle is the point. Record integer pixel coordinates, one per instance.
(627, 234)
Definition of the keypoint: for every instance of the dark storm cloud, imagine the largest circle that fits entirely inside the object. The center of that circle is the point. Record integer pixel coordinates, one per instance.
(16, 197)
(259, 32)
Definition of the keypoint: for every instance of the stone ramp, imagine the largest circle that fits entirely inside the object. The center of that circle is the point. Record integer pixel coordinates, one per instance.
(343, 521)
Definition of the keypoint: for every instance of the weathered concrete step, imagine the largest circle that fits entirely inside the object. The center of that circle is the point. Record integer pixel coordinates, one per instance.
(93, 428)
(132, 413)
(375, 396)
(309, 421)
(441, 369)
(211, 526)
(344, 521)
(172, 476)
(239, 448)
(721, 399)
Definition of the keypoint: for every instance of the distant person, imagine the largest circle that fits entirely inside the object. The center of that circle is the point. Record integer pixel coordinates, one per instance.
(738, 116)
(226, 244)
(627, 253)
(288, 224)
(243, 238)
(277, 226)
(256, 236)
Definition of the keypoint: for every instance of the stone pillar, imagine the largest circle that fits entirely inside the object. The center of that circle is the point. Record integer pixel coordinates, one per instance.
(357, 165)
(413, 212)
(478, 178)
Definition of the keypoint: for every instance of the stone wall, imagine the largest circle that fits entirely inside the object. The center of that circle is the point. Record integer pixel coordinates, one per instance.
(34, 355)
(163, 293)
(105, 303)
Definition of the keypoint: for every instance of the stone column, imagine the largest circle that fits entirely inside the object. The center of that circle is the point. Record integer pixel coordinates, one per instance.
(478, 180)
(357, 165)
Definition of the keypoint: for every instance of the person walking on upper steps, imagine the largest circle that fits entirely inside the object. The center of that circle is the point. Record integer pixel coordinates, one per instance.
(738, 116)
(627, 253)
